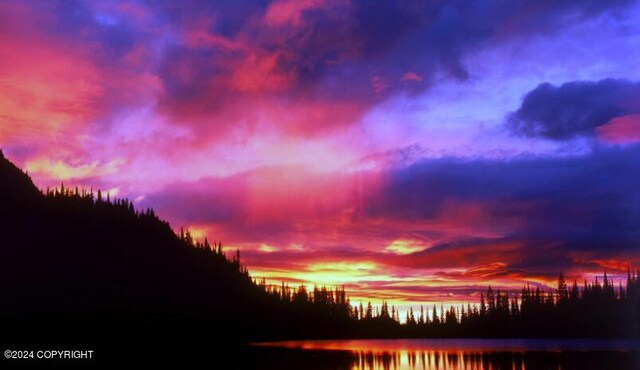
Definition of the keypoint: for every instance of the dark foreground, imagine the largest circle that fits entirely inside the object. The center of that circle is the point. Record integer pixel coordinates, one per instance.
(452, 354)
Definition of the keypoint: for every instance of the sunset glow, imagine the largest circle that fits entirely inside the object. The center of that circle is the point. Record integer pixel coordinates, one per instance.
(412, 153)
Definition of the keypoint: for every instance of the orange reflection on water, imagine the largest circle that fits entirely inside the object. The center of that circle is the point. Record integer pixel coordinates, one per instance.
(474, 354)
(411, 354)
(432, 360)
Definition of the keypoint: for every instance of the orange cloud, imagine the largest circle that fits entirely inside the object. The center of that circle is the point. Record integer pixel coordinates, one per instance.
(61, 170)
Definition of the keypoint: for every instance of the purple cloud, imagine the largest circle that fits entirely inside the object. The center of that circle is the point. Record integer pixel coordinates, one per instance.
(574, 108)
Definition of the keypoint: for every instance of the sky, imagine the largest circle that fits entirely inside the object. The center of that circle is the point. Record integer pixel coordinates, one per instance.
(412, 151)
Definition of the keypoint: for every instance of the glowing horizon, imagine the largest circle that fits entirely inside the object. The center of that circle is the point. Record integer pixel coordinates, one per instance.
(414, 152)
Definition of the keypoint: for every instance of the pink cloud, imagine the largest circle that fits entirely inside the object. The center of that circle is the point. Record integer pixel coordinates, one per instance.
(262, 72)
(55, 86)
(42, 98)
(289, 12)
(378, 84)
(197, 34)
(621, 130)
(412, 76)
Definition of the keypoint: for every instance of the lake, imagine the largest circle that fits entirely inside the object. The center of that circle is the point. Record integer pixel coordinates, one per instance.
(449, 354)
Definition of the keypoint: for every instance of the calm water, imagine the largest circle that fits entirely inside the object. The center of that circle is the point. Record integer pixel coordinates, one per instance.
(445, 354)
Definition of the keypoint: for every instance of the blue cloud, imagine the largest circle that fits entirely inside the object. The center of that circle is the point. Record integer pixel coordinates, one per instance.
(574, 108)
(588, 202)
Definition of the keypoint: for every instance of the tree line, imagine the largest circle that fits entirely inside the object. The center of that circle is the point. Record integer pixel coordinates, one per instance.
(592, 309)
(213, 281)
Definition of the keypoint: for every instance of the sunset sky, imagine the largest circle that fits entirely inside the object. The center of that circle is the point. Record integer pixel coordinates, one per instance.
(414, 151)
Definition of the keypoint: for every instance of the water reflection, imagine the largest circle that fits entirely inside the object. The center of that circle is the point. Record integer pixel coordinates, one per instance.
(452, 355)
(436, 360)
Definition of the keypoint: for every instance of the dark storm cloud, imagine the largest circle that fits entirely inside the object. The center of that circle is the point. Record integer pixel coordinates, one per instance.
(574, 108)
(587, 202)
(441, 32)
(563, 214)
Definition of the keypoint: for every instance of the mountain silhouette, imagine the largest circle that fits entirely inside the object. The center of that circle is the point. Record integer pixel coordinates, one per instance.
(77, 266)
